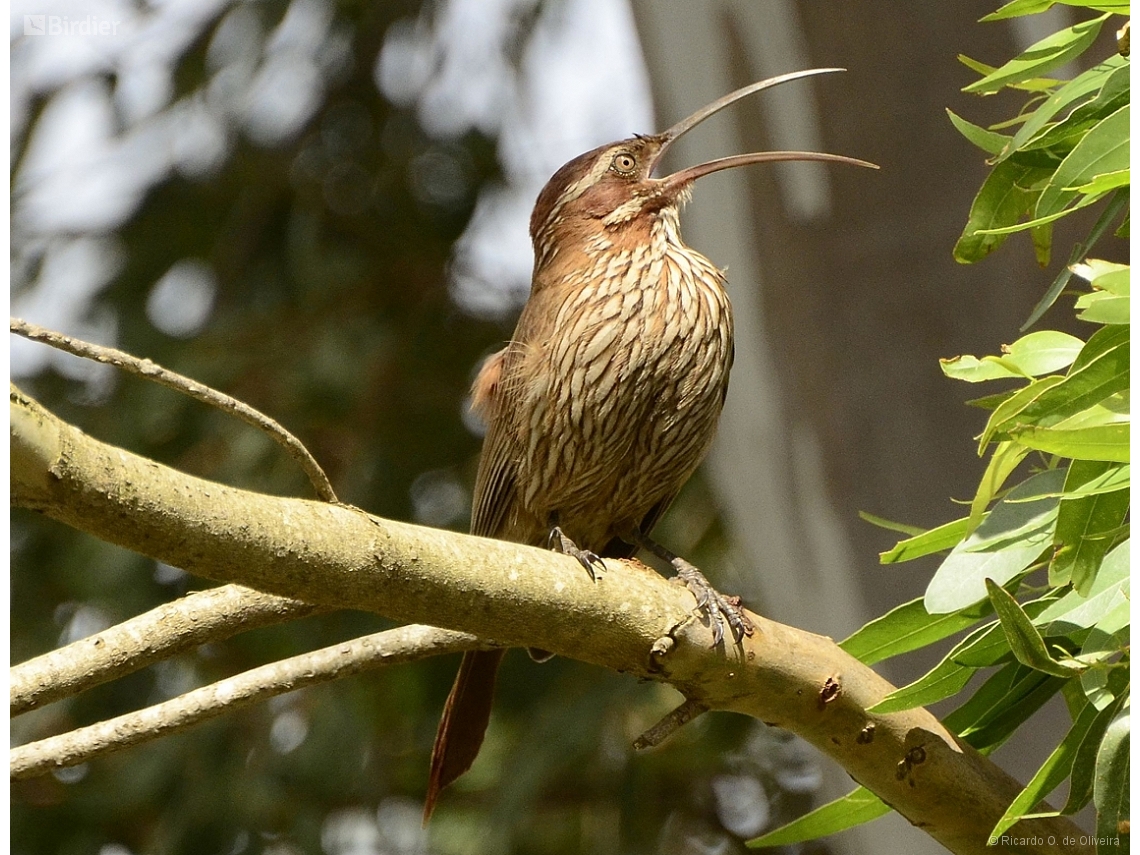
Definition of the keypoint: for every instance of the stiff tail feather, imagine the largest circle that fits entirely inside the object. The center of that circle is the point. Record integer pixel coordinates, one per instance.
(464, 722)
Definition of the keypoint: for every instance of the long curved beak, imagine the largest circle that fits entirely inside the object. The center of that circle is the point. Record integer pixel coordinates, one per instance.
(679, 180)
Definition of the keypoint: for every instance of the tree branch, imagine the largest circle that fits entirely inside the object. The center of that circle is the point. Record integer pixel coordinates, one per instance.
(197, 391)
(670, 724)
(631, 620)
(198, 618)
(405, 644)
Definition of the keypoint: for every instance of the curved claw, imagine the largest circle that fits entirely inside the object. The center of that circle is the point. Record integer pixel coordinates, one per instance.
(721, 610)
(587, 558)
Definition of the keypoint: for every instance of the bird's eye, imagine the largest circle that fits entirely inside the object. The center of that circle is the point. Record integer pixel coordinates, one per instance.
(624, 163)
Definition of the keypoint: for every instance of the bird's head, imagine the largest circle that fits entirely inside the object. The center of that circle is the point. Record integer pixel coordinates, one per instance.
(612, 187)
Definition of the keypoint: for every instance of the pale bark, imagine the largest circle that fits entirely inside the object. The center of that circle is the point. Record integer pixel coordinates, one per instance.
(630, 620)
(172, 628)
(392, 647)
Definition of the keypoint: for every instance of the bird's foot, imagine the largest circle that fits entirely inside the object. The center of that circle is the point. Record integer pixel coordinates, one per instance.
(590, 560)
(720, 609)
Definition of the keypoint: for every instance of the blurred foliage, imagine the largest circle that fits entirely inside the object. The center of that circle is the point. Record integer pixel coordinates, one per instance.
(328, 250)
(1038, 571)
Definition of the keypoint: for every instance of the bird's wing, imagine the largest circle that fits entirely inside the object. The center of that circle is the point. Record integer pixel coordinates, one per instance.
(496, 481)
(498, 397)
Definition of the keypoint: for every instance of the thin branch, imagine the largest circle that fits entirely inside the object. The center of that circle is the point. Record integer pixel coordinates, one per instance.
(670, 724)
(197, 391)
(165, 631)
(392, 647)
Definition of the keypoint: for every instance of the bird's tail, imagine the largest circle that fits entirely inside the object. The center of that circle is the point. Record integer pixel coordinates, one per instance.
(464, 722)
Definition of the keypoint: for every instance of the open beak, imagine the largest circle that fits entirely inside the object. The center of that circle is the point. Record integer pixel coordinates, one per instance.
(678, 180)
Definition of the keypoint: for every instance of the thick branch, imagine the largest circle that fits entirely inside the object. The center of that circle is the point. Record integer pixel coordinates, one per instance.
(631, 620)
(172, 628)
(405, 644)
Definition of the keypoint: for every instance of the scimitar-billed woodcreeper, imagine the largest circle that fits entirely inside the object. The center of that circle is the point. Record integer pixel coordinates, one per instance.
(607, 396)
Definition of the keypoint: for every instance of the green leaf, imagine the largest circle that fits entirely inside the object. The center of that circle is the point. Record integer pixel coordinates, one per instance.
(1061, 137)
(1032, 355)
(1103, 149)
(1105, 275)
(1100, 442)
(1085, 526)
(937, 539)
(1104, 612)
(1045, 55)
(1103, 183)
(990, 402)
(891, 525)
(1101, 307)
(1037, 222)
(1081, 611)
(1047, 83)
(1100, 370)
(1053, 771)
(1108, 637)
(982, 649)
(1013, 536)
(1110, 787)
(1018, 8)
(1007, 412)
(1005, 459)
(1100, 344)
(1001, 704)
(1044, 352)
(988, 141)
(1010, 190)
(1026, 643)
(903, 629)
(1117, 7)
(1042, 238)
(1109, 301)
(857, 807)
(989, 645)
(945, 679)
(1034, 84)
(974, 370)
(1117, 203)
(1108, 683)
(1113, 410)
(1084, 762)
(1078, 91)
(1113, 478)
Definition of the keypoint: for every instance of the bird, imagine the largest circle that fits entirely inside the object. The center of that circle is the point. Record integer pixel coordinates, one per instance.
(607, 396)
